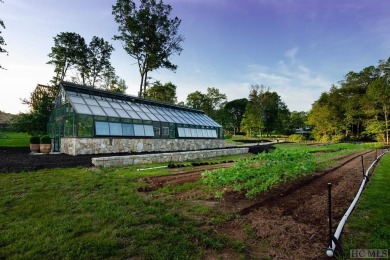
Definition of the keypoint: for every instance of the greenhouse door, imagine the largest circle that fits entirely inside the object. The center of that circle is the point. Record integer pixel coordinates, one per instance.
(58, 133)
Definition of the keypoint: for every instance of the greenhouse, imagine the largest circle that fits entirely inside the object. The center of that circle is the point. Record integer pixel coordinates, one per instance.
(89, 121)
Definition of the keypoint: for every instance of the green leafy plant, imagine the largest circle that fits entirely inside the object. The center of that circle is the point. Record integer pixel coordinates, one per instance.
(262, 172)
(45, 139)
(34, 139)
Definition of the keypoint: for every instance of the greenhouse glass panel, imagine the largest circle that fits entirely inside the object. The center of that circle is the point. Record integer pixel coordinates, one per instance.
(102, 128)
(110, 112)
(126, 107)
(145, 109)
(199, 132)
(104, 103)
(115, 128)
(134, 107)
(214, 133)
(194, 133)
(91, 102)
(133, 114)
(71, 93)
(97, 111)
(152, 117)
(139, 130)
(82, 109)
(128, 129)
(181, 132)
(76, 99)
(143, 116)
(115, 105)
(122, 113)
(149, 130)
(188, 132)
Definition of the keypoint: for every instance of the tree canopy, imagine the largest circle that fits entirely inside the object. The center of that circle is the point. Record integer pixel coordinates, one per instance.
(265, 112)
(160, 92)
(357, 109)
(148, 35)
(90, 63)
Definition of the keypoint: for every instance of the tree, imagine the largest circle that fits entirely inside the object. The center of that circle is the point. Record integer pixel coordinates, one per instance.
(40, 104)
(265, 112)
(148, 35)
(98, 60)
(210, 103)
(234, 111)
(69, 50)
(160, 92)
(2, 41)
(379, 93)
(297, 120)
(111, 82)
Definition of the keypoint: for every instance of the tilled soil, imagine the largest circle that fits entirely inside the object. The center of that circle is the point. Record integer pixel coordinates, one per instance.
(289, 222)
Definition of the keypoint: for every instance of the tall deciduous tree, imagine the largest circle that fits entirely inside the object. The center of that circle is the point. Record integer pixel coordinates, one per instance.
(68, 51)
(2, 41)
(265, 112)
(234, 113)
(98, 60)
(160, 92)
(210, 103)
(148, 35)
(379, 93)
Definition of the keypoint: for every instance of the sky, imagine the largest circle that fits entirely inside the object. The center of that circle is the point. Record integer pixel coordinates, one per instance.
(298, 48)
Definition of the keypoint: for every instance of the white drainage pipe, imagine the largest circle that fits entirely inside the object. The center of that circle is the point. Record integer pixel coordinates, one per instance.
(330, 250)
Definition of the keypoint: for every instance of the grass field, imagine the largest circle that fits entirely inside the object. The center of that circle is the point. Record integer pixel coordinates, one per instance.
(11, 139)
(80, 213)
(98, 213)
(369, 225)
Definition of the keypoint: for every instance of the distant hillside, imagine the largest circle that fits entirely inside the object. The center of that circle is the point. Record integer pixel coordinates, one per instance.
(5, 118)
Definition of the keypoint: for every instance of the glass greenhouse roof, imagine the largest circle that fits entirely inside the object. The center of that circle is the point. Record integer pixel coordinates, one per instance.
(89, 101)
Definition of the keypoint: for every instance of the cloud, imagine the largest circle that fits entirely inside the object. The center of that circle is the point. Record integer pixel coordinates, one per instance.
(295, 82)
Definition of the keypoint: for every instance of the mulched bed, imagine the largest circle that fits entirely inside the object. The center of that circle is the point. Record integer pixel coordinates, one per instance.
(19, 159)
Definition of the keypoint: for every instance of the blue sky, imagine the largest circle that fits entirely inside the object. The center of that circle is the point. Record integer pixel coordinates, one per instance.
(298, 48)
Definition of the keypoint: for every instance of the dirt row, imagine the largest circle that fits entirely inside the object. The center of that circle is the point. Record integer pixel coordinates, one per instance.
(289, 222)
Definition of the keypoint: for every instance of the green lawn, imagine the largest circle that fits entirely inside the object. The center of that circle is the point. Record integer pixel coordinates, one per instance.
(83, 213)
(369, 224)
(11, 139)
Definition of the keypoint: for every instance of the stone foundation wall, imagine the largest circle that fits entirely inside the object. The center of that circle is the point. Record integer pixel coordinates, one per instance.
(120, 161)
(78, 146)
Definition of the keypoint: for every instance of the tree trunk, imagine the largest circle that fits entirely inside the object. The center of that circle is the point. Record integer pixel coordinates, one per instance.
(140, 86)
(386, 125)
(145, 82)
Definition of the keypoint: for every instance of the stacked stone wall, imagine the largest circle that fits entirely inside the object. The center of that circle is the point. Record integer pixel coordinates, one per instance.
(79, 146)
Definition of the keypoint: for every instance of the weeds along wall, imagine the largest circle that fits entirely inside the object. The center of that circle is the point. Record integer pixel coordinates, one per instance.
(79, 146)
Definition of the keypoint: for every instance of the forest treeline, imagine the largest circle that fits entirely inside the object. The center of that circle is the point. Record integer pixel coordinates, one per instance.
(357, 109)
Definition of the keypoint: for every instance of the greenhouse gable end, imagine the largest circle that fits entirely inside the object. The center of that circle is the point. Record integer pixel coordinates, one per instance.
(92, 121)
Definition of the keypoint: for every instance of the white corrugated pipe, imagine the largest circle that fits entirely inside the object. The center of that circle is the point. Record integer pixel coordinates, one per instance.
(330, 249)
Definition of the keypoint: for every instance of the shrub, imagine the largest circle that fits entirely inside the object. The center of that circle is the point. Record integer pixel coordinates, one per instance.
(228, 136)
(34, 139)
(296, 138)
(45, 139)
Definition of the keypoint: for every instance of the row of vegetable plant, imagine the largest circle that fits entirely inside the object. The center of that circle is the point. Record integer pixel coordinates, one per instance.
(261, 172)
